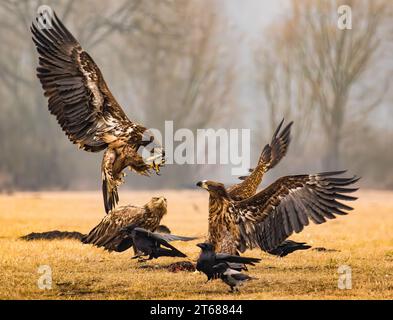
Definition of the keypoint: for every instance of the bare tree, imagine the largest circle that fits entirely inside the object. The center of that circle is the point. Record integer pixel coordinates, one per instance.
(34, 152)
(326, 68)
(163, 59)
(184, 74)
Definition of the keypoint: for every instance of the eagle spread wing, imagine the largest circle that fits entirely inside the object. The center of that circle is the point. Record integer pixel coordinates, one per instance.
(271, 155)
(107, 233)
(85, 108)
(78, 95)
(271, 216)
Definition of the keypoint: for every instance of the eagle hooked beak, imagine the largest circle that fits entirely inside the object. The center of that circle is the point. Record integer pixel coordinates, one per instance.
(203, 185)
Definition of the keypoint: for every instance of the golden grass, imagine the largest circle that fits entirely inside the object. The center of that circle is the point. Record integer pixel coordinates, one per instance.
(364, 240)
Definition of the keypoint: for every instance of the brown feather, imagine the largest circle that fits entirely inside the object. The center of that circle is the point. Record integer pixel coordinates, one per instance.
(271, 155)
(148, 217)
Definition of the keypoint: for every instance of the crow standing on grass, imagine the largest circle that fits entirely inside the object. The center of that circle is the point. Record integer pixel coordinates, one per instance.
(208, 259)
(233, 278)
(147, 243)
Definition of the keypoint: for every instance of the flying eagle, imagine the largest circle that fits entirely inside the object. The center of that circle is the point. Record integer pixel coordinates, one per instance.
(271, 155)
(268, 218)
(106, 233)
(86, 110)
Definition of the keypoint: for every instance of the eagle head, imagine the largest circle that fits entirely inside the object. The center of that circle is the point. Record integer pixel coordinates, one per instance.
(158, 203)
(214, 188)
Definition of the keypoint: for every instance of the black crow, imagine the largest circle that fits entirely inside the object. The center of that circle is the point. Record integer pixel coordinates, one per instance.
(287, 247)
(151, 244)
(231, 277)
(208, 259)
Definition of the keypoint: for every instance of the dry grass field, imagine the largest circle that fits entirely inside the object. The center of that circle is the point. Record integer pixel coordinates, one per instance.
(363, 240)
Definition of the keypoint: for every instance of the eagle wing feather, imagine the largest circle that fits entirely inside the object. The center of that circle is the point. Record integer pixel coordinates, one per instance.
(271, 155)
(77, 93)
(107, 233)
(271, 216)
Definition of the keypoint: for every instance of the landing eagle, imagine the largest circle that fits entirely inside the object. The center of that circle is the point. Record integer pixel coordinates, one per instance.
(86, 110)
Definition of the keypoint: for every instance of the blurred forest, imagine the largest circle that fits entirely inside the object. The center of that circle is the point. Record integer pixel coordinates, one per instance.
(179, 60)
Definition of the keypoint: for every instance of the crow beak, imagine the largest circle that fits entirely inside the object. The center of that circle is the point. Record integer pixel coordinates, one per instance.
(200, 245)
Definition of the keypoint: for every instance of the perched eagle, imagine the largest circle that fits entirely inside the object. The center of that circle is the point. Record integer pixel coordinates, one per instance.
(87, 111)
(106, 233)
(271, 155)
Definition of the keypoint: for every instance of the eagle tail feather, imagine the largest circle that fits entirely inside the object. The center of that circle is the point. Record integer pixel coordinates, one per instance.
(111, 196)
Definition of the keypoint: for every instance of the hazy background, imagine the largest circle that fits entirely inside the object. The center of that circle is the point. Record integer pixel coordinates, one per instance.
(209, 63)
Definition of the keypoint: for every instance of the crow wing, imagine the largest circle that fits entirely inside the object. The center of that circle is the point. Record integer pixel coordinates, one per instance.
(171, 237)
(271, 216)
(78, 95)
(225, 258)
(160, 239)
(240, 276)
(271, 155)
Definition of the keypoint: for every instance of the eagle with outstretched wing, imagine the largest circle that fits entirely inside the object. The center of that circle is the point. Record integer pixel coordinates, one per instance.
(107, 233)
(268, 218)
(240, 219)
(86, 110)
(270, 156)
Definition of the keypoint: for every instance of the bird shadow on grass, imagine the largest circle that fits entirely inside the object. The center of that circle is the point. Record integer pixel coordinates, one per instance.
(322, 249)
(77, 288)
(172, 267)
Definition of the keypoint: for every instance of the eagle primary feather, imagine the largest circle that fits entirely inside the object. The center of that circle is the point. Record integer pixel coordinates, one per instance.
(85, 108)
(270, 156)
(268, 218)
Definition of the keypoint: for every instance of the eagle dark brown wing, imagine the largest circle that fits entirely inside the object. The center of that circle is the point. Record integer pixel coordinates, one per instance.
(108, 233)
(78, 95)
(271, 155)
(271, 216)
(112, 223)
